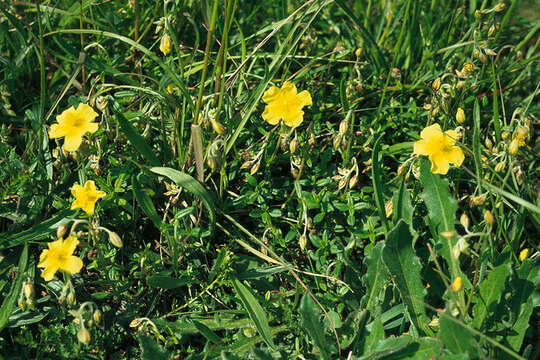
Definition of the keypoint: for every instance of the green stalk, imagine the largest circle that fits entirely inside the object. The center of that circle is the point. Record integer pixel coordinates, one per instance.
(206, 56)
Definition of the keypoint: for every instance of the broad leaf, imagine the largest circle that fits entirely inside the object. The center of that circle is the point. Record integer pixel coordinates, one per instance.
(375, 276)
(310, 317)
(490, 292)
(454, 336)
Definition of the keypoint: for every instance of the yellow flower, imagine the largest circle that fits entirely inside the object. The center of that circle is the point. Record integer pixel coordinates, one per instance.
(285, 103)
(170, 89)
(86, 197)
(165, 45)
(73, 124)
(439, 148)
(59, 256)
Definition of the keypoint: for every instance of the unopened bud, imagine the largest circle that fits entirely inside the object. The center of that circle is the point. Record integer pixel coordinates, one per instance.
(293, 145)
(83, 336)
(97, 316)
(401, 169)
(523, 254)
(457, 284)
(218, 127)
(500, 166)
(302, 242)
(477, 200)
(101, 102)
(170, 89)
(489, 143)
(389, 208)
(460, 116)
(448, 235)
(165, 45)
(436, 84)
(464, 220)
(337, 142)
(255, 167)
(135, 323)
(477, 14)
(343, 127)
(468, 67)
(505, 135)
(460, 84)
(342, 183)
(353, 182)
(70, 298)
(246, 165)
(499, 7)
(61, 231)
(490, 52)
(513, 147)
(483, 58)
(358, 52)
(115, 239)
(21, 303)
(488, 217)
(28, 290)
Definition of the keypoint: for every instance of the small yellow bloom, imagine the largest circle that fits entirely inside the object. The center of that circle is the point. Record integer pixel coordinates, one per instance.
(460, 116)
(523, 254)
(440, 148)
(285, 103)
(86, 197)
(165, 45)
(457, 284)
(468, 67)
(170, 89)
(73, 124)
(59, 256)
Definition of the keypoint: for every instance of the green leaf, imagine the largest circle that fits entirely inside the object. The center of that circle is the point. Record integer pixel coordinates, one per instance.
(490, 292)
(152, 350)
(145, 202)
(207, 332)
(167, 282)
(375, 276)
(310, 318)
(191, 185)
(9, 301)
(387, 347)
(477, 145)
(454, 336)
(377, 185)
(441, 206)
(403, 264)
(522, 302)
(135, 138)
(423, 348)
(255, 311)
(402, 204)
(35, 233)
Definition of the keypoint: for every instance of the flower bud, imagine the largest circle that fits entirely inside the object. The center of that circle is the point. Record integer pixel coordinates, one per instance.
(505, 135)
(21, 303)
(389, 208)
(342, 183)
(460, 116)
(436, 84)
(28, 290)
(218, 127)
(499, 7)
(165, 44)
(61, 231)
(401, 169)
(448, 235)
(468, 67)
(477, 200)
(500, 166)
(358, 52)
(97, 316)
(464, 220)
(293, 145)
(477, 14)
(460, 84)
(488, 217)
(513, 147)
(523, 254)
(101, 102)
(343, 127)
(170, 89)
(83, 336)
(337, 142)
(302, 242)
(255, 167)
(457, 284)
(135, 323)
(246, 165)
(353, 182)
(115, 239)
(70, 299)
(489, 143)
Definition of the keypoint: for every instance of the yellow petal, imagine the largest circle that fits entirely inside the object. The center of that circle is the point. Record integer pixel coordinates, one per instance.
(70, 244)
(72, 265)
(439, 164)
(304, 97)
(89, 207)
(270, 116)
(56, 131)
(420, 148)
(60, 119)
(456, 156)
(294, 119)
(431, 131)
(86, 112)
(76, 189)
(56, 244)
(92, 127)
(72, 142)
(49, 272)
(43, 258)
(270, 94)
(452, 135)
(289, 88)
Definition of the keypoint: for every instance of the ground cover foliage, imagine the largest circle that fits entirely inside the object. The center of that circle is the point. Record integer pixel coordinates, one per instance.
(221, 235)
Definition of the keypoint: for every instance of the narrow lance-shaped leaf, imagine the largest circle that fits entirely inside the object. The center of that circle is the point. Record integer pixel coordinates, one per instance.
(403, 264)
(310, 317)
(145, 202)
(9, 301)
(255, 311)
(491, 291)
(375, 276)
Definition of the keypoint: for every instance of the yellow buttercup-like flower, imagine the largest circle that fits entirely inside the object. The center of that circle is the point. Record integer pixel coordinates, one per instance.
(440, 148)
(285, 103)
(73, 124)
(86, 197)
(59, 256)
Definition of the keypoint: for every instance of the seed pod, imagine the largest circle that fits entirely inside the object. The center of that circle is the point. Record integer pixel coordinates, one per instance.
(500, 166)
(255, 167)
(115, 239)
(97, 316)
(343, 127)
(293, 145)
(28, 290)
(513, 147)
(389, 208)
(401, 169)
(61, 230)
(464, 220)
(436, 84)
(218, 127)
(489, 143)
(342, 183)
(488, 217)
(353, 182)
(337, 142)
(83, 336)
(302, 242)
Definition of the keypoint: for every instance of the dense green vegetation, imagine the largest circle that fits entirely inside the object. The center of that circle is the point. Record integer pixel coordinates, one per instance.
(397, 219)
